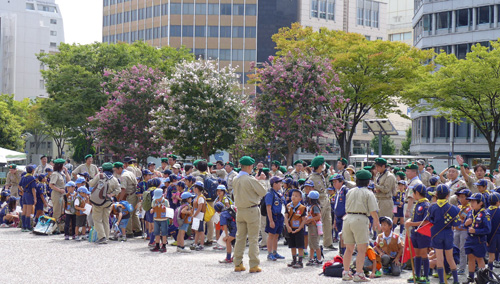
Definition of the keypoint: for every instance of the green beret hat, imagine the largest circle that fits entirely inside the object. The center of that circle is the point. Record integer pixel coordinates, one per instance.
(210, 164)
(343, 160)
(237, 170)
(195, 163)
(363, 175)
(317, 161)
(396, 169)
(429, 165)
(230, 163)
(247, 161)
(368, 168)
(283, 169)
(107, 166)
(118, 165)
(454, 167)
(302, 181)
(164, 160)
(411, 167)
(380, 161)
(88, 156)
(266, 170)
(59, 161)
(277, 163)
(172, 156)
(401, 174)
(327, 166)
(466, 165)
(298, 162)
(12, 166)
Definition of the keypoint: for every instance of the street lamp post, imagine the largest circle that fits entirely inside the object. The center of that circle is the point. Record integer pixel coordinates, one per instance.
(381, 127)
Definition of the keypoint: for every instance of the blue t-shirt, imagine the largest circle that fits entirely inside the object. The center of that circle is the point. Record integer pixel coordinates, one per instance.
(276, 201)
(41, 192)
(340, 200)
(443, 218)
(141, 187)
(495, 221)
(481, 223)
(28, 183)
(227, 220)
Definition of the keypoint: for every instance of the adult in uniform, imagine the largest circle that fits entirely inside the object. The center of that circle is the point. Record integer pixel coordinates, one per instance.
(413, 180)
(275, 169)
(479, 173)
(298, 172)
(13, 179)
(220, 171)
(318, 164)
(385, 184)
(43, 165)
(423, 175)
(100, 214)
(172, 160)
(128, 184)
(58, 180)
(151, 168)
(164, 165)
(231, 174)
(360, 202)
(87, 167)
(454, 182)
(248, 192)
(128, 164)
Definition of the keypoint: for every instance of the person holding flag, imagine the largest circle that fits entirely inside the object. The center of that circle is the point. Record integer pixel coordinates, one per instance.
(444, 216)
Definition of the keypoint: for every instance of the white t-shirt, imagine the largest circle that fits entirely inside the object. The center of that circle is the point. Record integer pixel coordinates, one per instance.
(200, 200)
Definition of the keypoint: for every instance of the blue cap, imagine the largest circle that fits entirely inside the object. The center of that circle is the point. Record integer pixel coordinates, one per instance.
(80, 180)
(155, 182)
(5, 193)
(481, 182)
(41, 176)
(151, 164)
(313, 194)
(402, 182)
(309, 183)
(494, 198)
(29, 169)
(83, 189)
(433, 180)
(167, 172)
(465, 191)
(275, 179)
(47, 169)
(158, 193)
(190, 178)
(476, 196)
(146, 172)
(442, 189)
(336, 177)
(70, 183)
(181, 184)
(199, 183)
(221, 187)
(218, 206)
(85, 174)
(186, 195)
(420, 188)
(288, 181)
(173, 177)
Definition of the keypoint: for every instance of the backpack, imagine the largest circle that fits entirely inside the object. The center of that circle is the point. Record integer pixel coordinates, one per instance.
(99, 195)
(210, 185)
(332, 269)
(146, 200)
(128, 207)
(263, 206)
(209, 213)
(178, 220)
(232, 213)
(483, 277)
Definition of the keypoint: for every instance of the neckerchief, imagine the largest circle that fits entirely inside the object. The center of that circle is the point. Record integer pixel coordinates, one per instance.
(474, 216)
(378, 179)
(442, 202)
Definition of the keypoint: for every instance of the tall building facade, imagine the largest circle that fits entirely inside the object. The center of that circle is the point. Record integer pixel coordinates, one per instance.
(27, 27)
(400, 16)
(452, 27)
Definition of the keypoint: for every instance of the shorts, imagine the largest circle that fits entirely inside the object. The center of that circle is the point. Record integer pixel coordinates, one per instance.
(494, 244)
(279, 221)
(313, 237)
(339, 223)
(232, 233)
(81, 220)
(443, 240)
(148, 217)
(28, 199)
(184, 227)
(39, 205)
(355, 229)
(123, 223)
(161, 228)
(201, 228)
(296, 240)
(400, 212)
(474, 246)
(420, 241)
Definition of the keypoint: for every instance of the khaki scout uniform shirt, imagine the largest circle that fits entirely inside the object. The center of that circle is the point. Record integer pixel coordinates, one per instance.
(424, 177)
(277, 173)
(135, 170)
(319, 182)
(129, 182)
(113, 187)
(83, 168)
(386, 183)
(229, 179)
(221, 173)
(13, 179)
(296, 175)
(360, 200)
(473, 188)
(347, 179)
(248, 191)
(41, 169)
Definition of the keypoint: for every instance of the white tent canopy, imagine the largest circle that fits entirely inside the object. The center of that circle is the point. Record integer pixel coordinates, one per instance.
(7, 156)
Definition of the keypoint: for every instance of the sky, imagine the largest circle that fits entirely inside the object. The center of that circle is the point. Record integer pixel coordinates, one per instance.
(82, 20)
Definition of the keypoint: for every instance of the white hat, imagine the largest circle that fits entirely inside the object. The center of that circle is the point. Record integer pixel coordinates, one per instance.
(177, 166)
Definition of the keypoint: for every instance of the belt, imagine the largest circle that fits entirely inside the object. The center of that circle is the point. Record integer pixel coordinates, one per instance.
(253, 206)
(384, 198)
(356, 213)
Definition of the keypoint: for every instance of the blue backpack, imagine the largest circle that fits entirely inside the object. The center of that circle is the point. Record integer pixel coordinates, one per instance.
(128, 207)
(210, 184)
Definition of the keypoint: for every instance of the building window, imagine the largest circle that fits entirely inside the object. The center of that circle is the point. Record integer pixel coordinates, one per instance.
(212, 53)
(187, 31)
(314, 8)
(149, 12)
(368, 13)
(213, 9)
(199, 53)
(368, 37)
(331, 10)
(164, 9)
(188, 9)
(443, 20)
(200, 9)
(484, 15)
(175, 31)
(237, 31)
(462, 50)
(375, 14)
(225, 9)
(464, 17)
(225, 54)
(360, 12)
(237, 54)
(175, 8)
(238, 9)
(46, 8)
(53, 21)
(251, 10)
(379, 38)
(250, 32)
(365, 128)
(427, 21)
(53, 44)
(53, 33)
(322, 9)
(200, 31)
(42, 84)
(157, 11)
(213, 31)
(164, 31)
(225, 31)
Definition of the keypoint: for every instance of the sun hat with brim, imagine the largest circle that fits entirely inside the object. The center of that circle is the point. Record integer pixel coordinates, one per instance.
(158, 193)
(70, 183)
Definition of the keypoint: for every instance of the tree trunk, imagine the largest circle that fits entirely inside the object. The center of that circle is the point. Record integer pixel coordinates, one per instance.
(494, 155)
(289, 155)
(345, 144)
(205, 150)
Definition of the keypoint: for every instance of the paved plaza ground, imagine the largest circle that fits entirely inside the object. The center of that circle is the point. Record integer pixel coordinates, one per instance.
(27, 258)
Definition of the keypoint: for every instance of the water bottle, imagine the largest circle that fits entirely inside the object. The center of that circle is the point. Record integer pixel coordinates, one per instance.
(319, 225)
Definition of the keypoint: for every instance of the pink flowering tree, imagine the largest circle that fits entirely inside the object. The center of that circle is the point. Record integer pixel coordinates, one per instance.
(200, 109)
(122, 125)
(298, 102)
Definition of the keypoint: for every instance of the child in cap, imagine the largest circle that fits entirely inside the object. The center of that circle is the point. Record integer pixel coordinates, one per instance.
(122, 215)
(295, 217)
(226, 202)
(173, 195)
(199, 205)
(313, 217)
(81, 218)
(339, 202)
(28, 185)
(388, 245)
(152, 185)
(275, 220)
(460, 232)
(399, 202)
(443, 216)
(479, 226)
(184, 217)
(420, 242)
(228, 224)
(41, 196)
(482, 186)
(8, 213)
(331, 197)
(4, 196)
(307, 188)
(70, 211)
(494, 236)
(159, 210)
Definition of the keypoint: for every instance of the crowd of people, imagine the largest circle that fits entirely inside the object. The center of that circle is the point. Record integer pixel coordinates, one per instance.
(450, 218)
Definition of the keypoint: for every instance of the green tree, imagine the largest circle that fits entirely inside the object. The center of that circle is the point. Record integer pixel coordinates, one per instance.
(372, 74)
(388, 146)
(405, 144)
(35, 125)
(74, 75)
(10, 129)
(466, 89)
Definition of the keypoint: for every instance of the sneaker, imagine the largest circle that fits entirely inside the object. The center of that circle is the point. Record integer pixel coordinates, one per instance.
(263, 247)
(298, 265)
(4, 225)
(278, 256)
(122, 239)
(84, 238)
(331, 247)
(318, 262)
(151, 245)
(496, 264)
(435, 275)
(183, 250)
(77, 238)
(174, 244)
(311, 262)
(217, 247)
(208, 243)
(423, 280)
(346, 276)
(66, 238)
(155, 249)
(410, 280)
(360, 277)
(461, 272)
(271, 257)
(198, 248)
(386, 271)
(306, 253)
(291, 264)
(102, 241)
(163, 249)
(378, 274)
(74, 237)
(192, 247)
(225, 260)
